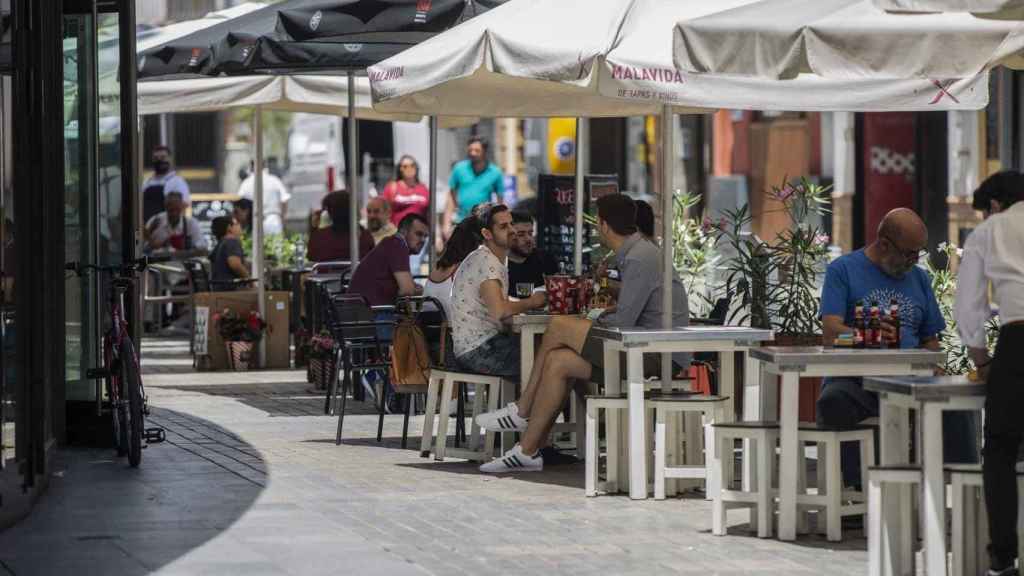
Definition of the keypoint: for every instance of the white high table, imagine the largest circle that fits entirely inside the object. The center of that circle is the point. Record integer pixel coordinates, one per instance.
(529, 325)
(929, 396)
(792, 363)
(635, 342)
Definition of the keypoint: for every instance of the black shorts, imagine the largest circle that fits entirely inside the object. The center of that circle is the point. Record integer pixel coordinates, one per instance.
(593, 352)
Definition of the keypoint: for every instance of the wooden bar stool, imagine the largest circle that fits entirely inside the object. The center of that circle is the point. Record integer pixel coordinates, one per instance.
(763, 436)
(832, 499)
(711, 410)
(441, 384)
(885, 485)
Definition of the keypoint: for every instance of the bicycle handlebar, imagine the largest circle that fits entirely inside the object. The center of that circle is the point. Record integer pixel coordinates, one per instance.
(126, 269)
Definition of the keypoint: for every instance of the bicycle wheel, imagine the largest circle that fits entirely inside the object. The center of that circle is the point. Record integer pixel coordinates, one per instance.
(115, 390)
(132, 389)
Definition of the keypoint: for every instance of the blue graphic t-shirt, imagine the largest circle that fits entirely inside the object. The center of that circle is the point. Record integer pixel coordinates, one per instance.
(854, 277)
(472, 188)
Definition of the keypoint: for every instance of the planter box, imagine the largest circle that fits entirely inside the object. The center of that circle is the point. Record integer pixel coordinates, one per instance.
(211, 353)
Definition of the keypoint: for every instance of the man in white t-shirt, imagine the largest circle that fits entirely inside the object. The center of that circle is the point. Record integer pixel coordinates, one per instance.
(275, 199)
(480, 303)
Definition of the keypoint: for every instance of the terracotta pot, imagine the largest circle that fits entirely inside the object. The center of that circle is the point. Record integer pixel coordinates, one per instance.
(797, 340)
(239, 354)
(321, 371)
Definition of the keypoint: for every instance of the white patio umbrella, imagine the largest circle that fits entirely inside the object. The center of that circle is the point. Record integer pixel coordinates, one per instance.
(845, 39)
(596, 58)
(984, 8)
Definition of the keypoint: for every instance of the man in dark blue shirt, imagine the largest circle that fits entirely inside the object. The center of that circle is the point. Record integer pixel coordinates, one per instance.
(885, 271)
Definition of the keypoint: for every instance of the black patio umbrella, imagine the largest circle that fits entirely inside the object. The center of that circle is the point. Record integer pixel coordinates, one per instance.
(305, 36)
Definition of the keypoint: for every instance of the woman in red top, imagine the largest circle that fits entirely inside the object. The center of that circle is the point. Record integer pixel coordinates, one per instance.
(332, 244)
(406, 194)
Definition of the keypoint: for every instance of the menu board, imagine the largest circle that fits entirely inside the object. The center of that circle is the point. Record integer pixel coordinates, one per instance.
(556, 233)
(204, 211)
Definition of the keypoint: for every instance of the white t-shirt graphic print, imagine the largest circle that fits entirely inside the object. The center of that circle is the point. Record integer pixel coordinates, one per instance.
(471, 323)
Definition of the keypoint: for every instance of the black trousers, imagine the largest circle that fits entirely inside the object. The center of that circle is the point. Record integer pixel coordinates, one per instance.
(1004, 429)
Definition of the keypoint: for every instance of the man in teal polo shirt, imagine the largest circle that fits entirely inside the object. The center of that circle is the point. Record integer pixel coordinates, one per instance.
(473, 181)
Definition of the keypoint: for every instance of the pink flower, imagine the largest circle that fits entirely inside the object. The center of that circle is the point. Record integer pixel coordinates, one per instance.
(822, 239)
(783, 194)
(707, 225)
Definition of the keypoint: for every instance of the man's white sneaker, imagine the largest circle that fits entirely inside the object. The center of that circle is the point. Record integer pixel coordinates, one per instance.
(505, 419)
(514, 461)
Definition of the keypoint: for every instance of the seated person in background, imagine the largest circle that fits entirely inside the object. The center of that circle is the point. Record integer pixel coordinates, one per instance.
(464, 240)
(480, 303)
(227, 261)
(378, 219)
(242, 211)
(526, 264)
(383, 276)
(171, 229)
(331, 243)
(884, 271)
(645, 220)
(570, 354)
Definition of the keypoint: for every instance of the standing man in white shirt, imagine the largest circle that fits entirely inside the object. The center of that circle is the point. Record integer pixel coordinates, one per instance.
(163, 181)
(275, 198)
(994, 253)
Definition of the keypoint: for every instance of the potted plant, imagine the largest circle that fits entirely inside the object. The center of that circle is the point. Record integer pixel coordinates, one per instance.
(240, 335)
(944, 281)
(322, 357)
(774, 285)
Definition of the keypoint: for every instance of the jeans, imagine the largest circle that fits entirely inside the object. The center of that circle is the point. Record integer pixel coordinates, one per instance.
(498, 356)
(845, 402)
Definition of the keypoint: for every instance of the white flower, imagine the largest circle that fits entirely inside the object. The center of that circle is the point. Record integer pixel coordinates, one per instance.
(943, 246)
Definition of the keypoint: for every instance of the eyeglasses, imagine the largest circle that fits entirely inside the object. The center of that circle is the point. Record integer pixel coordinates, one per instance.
(908, 255)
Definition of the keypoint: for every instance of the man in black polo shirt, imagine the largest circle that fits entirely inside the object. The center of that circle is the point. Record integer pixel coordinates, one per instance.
(526, 264)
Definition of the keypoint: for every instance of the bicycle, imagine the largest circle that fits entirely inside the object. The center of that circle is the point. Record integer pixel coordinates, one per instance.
(120, 368)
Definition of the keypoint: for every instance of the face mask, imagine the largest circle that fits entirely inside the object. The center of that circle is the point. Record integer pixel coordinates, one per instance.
(162, 166)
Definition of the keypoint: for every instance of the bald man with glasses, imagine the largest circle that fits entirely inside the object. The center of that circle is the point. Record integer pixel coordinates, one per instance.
(884, 271)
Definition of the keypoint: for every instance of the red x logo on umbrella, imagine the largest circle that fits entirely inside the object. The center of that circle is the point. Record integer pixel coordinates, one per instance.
(943, 92)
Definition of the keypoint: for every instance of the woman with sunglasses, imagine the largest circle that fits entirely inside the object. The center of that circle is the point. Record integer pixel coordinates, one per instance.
(406, 194)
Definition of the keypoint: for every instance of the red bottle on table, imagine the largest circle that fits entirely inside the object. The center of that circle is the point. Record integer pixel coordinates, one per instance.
(894, 319)
(859, 325)
(874, 331)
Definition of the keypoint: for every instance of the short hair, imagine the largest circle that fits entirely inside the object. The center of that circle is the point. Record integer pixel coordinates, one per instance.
(479, 140)
(162, 148)
(244, 204)
(520, 217)
(645, 218)
(1006, 187)
(406, 223)
(220, 226)
(464, 240)
(174, 193)
(382, 200)
(487, 220)
(619, 211)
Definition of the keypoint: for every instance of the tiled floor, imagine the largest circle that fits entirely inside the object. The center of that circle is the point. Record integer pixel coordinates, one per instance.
(250, 482)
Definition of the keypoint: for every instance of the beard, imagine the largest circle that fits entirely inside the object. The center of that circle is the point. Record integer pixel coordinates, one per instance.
(374, 225)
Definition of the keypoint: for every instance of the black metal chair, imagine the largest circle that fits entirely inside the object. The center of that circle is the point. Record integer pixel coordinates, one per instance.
(358, 349)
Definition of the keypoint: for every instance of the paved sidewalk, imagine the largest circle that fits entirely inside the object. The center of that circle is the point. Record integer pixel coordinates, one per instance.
(250, 482)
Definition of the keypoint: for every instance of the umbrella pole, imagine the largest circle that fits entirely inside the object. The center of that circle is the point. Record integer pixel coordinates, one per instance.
(434, 233)
(258, 224)
(257, 228)
(582, 140)
(667, 211)
(350, 172)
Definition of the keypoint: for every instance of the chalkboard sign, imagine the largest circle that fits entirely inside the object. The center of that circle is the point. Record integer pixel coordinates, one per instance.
(556, 215)
(204, 211)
